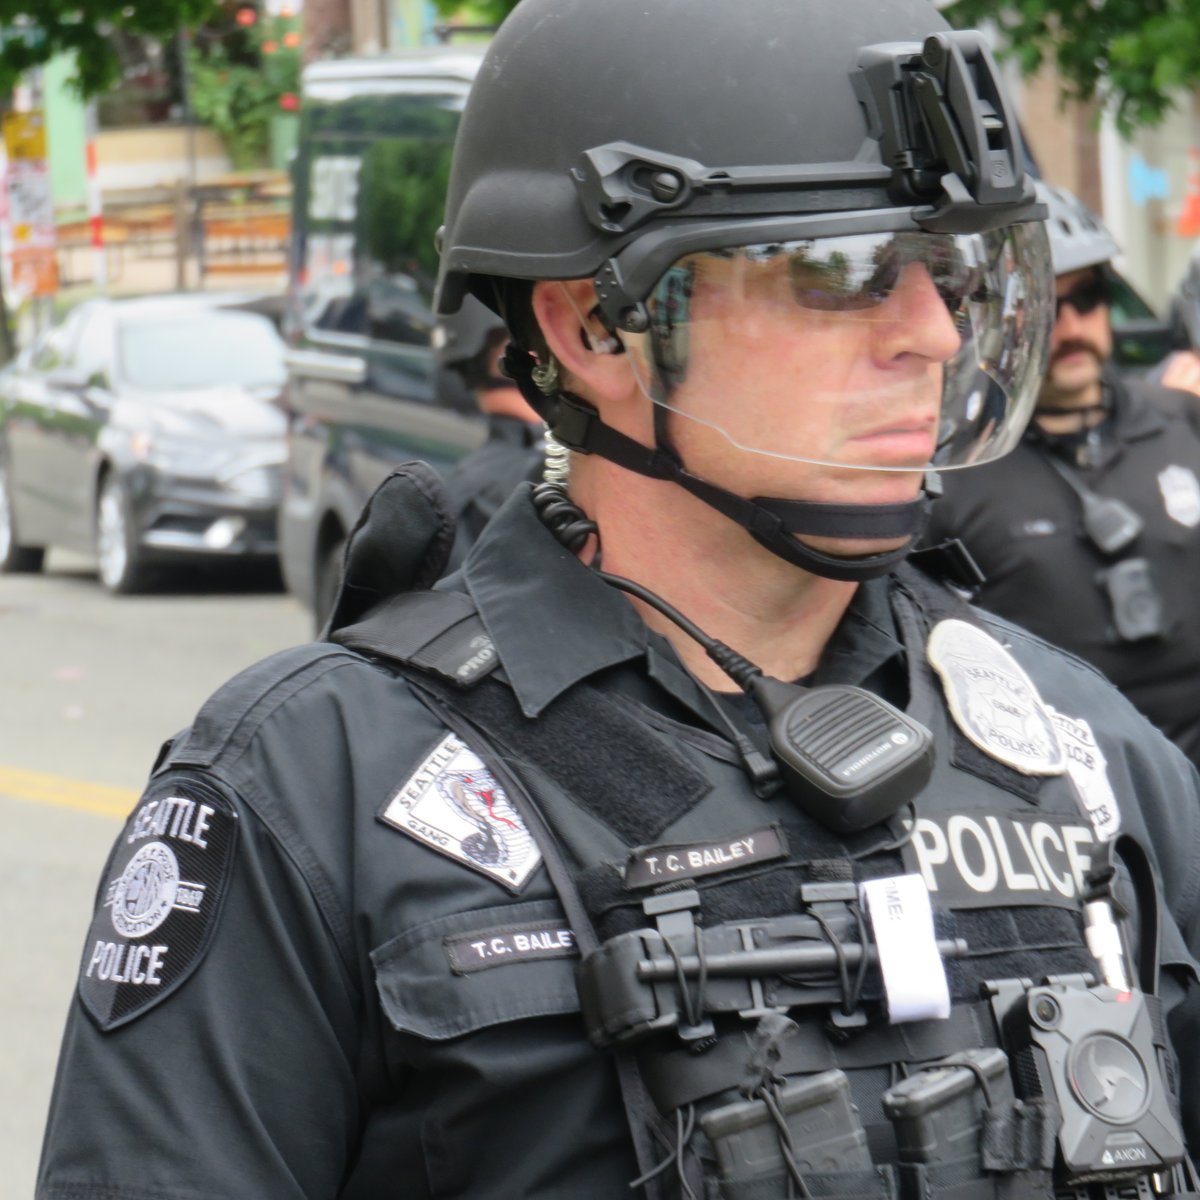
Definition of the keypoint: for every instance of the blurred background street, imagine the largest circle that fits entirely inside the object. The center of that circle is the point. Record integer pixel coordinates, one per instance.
(92, 684)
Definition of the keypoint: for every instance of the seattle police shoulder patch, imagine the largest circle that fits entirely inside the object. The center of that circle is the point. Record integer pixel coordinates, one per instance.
(159, 900)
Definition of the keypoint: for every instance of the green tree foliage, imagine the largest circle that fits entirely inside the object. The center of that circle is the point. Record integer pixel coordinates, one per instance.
(477, 12)
(239, 81)
(34, 31)
(1137, 55)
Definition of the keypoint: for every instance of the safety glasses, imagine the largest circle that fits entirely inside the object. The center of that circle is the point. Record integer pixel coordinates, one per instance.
(1084, 297)
(857, 273)
(831, 281)
(887, 350)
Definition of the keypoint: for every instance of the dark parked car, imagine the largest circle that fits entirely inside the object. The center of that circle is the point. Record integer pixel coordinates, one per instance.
(146, 431)
(364, 392)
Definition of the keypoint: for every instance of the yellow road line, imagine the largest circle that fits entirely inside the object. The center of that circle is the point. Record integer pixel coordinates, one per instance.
(58, 792)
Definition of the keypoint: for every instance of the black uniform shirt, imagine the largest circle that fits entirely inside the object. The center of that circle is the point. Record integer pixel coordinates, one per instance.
(1023, 525)
(334, 1007)
(480, 483)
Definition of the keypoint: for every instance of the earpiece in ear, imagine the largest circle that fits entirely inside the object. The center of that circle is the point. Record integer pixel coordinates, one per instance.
(609, 343)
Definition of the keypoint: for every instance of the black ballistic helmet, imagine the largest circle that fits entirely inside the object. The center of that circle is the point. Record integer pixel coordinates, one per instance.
(607, 139)
(610, 140)
(465, 335)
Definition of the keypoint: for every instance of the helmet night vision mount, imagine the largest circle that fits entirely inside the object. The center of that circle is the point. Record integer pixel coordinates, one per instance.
(949, 148)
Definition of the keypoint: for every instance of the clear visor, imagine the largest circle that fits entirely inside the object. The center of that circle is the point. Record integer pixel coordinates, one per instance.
(881, 351)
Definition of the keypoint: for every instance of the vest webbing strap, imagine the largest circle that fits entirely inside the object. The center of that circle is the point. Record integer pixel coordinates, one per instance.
(676, 1077)
(639, 1110)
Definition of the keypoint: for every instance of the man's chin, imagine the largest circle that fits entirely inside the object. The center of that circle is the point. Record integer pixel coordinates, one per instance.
(1068, 381)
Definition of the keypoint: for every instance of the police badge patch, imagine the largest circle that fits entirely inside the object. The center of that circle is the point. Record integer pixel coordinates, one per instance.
(163, 890)
(992, 700)
(453, 804)
(1181, 495)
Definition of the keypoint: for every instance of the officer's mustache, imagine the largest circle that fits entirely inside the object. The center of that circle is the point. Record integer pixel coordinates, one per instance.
(1076, 346)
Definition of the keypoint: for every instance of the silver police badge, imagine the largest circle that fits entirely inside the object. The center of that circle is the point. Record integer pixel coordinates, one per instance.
(454, 804)
(993, 701)
(1181, 495)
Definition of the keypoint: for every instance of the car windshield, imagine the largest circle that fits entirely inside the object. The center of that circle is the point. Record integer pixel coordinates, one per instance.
(200, 349)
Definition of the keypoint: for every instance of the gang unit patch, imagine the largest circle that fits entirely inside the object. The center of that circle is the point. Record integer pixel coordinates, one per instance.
(161, 897)
(453, 803)
(992, 700)
(1181, 495)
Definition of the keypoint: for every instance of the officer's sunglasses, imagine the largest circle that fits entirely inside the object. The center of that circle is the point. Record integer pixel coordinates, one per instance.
(850, 274)
(1084, 297)
(828, 282)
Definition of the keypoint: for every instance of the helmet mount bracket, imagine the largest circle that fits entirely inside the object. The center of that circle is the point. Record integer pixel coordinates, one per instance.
(952, 162)
(945, 127)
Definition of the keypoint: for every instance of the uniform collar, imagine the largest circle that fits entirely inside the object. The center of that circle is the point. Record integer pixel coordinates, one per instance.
(1134, 416)
(1131, 415)
(865, 640)
(503, 428)
(554, 623)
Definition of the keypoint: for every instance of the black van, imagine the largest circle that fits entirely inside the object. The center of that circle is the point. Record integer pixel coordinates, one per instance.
(369, 182)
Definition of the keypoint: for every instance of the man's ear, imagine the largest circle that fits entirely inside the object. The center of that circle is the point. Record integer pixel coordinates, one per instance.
(580, 343)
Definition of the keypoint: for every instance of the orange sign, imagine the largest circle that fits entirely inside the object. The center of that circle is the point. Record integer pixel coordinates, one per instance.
(35, 272)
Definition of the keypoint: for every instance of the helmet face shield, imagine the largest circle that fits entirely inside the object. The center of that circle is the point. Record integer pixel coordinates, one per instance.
(894, 351)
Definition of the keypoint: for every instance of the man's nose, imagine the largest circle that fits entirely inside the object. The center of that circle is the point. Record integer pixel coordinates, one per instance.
(914, 320)
(1067, 322)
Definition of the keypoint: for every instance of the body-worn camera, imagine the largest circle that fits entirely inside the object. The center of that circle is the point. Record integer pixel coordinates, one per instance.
(1096, 1053)
(1137, 609)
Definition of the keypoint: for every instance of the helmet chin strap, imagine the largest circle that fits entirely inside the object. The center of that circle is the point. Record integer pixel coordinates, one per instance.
(775, 524)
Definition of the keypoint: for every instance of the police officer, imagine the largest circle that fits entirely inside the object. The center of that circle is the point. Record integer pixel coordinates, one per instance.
(1181, 368)
(553, 878)
(1089, 532)
(471, 342)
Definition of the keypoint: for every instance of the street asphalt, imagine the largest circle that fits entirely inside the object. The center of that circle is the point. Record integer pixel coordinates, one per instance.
(90, 686)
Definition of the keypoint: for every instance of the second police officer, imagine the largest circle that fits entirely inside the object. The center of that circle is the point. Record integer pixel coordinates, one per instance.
(528, 886)
(1088, 533)
(471, 343)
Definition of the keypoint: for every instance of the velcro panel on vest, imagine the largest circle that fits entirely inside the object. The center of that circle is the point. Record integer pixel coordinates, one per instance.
(767, 892)
(1006, 943)
(866, 1183)
(936, 603)
(756, 891)
(962, 1180)
(612, 765)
